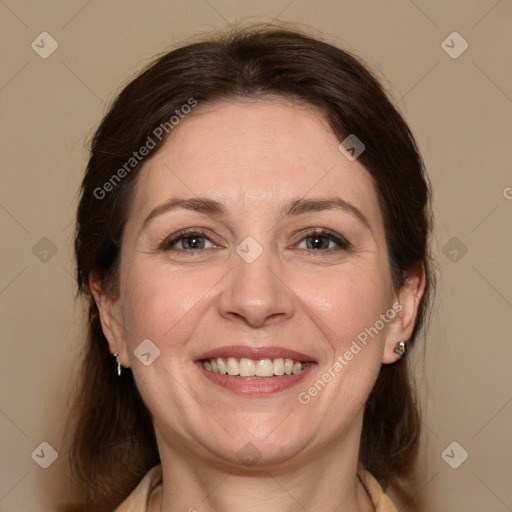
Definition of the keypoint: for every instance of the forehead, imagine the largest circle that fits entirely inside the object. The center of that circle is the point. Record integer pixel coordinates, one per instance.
(259, 153)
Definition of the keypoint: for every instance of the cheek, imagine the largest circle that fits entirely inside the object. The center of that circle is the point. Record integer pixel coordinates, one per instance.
(349, 308)
(161, 304)
(348, 302)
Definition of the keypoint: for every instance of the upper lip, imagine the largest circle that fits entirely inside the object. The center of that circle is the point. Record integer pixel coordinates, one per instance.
(256, 353)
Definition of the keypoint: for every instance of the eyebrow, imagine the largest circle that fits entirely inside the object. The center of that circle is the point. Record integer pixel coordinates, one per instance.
(296, 207)
(196, 204)
(301, 206)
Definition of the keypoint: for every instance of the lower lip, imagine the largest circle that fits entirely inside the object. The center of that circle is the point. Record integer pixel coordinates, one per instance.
(247, 386)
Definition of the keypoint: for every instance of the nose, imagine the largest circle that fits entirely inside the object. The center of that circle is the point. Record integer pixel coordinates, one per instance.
(256, 293)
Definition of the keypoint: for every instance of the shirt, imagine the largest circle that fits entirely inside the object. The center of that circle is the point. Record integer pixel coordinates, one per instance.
(138, 500)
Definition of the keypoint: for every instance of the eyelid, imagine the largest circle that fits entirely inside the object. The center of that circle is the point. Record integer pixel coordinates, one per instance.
(168, 241)
(340, 240)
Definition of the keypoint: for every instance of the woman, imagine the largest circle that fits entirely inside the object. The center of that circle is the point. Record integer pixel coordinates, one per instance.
(252, 241)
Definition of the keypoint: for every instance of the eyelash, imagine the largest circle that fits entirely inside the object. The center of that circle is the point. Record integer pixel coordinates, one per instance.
(342, 243)
(168, 243)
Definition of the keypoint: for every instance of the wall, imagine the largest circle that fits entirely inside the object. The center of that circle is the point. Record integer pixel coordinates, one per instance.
(460, 112)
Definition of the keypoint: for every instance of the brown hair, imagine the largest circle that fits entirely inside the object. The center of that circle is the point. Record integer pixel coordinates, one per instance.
(113, 443)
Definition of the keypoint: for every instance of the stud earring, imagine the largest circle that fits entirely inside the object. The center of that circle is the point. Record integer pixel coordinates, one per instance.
(118, 365)
(400, 348)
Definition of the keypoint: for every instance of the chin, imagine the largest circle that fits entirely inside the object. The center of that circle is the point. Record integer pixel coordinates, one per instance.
(260, 449)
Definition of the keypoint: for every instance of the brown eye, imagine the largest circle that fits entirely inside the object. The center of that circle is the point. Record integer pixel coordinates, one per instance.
(323, 241)
(192, 242)
(188, 241)
(317, 242)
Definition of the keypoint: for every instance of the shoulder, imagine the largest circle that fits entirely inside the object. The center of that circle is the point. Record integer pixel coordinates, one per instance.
(380, 500)
(137, 501)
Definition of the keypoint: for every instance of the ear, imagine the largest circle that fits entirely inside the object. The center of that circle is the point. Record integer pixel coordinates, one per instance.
(406, 304)
(111, 318)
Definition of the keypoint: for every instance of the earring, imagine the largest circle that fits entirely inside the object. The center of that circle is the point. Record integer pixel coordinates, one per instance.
(400, 348)
(118, 365)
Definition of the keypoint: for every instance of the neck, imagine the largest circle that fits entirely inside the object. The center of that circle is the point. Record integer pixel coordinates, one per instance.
(324, 480)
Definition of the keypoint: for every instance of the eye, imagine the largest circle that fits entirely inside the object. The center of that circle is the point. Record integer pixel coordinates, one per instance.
(323, 241)
(186, 241)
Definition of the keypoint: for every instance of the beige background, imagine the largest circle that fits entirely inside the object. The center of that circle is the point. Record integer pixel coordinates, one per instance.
(459, 110)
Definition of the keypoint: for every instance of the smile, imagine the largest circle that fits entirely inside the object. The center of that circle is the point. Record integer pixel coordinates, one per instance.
(254, 371)
(250, 368)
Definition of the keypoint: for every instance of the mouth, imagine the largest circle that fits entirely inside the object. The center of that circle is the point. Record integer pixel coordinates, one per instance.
(250, 368)
(255, 371)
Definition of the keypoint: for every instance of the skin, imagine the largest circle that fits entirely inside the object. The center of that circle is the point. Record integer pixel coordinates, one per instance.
(255, 157)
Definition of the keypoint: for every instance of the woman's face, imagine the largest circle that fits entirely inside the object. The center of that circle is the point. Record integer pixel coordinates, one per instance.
(252, 238)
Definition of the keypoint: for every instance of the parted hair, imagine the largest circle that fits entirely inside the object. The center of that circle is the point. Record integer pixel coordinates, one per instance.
(112, 442)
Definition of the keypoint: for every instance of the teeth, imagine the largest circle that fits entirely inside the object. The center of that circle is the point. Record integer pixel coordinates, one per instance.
(232, 366)
(222, 366)
(297, 368)
(264, 368)
(245, 367)
(279, 366)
